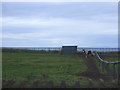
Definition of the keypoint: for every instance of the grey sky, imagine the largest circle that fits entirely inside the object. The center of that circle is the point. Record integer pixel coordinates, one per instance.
(56, 24)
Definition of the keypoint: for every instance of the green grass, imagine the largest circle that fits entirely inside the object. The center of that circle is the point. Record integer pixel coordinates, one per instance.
(109, 56)
(43, 66)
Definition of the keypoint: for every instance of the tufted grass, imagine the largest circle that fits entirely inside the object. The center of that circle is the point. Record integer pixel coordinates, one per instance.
(42, 65)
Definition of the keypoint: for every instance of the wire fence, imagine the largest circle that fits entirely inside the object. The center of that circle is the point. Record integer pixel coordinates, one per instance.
(106, 66)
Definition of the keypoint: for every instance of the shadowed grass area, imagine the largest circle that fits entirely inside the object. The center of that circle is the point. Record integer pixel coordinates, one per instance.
(43, 65)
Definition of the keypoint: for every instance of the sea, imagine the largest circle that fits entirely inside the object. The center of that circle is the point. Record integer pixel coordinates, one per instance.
(59, 48)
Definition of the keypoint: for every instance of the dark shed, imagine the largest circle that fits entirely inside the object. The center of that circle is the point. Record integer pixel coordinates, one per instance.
(69, 49)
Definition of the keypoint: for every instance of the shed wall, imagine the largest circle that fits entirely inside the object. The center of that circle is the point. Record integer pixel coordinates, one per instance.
(69, 49)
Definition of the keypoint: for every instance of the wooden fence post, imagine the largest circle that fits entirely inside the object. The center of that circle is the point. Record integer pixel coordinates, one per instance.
(99, 63)
(50, 84)
(103, 66)
(77, 84)
(22, 84)
(114, 84)
(35, 83)
(63, 84)
(90, 84)
(10, 83)
(102, 83)
(114, 71)
(108, 72)
(119, 75)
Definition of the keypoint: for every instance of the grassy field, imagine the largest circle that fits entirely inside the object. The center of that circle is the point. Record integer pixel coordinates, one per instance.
(46, 66)
(43, 65)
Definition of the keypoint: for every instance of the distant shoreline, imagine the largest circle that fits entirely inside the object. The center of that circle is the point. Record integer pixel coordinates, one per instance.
(59, 48)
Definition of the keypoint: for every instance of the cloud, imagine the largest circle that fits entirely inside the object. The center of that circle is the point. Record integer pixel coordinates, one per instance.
(34, 22)
(62, 25)
(25, 35)
(89, 24)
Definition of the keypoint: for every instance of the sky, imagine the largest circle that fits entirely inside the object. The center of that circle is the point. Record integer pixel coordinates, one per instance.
(54, 24)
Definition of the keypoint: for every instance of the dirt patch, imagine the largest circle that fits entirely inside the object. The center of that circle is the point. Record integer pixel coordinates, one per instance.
(92, 71)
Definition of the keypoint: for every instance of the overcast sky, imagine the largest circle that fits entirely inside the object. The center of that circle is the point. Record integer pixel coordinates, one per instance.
(40, 24)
